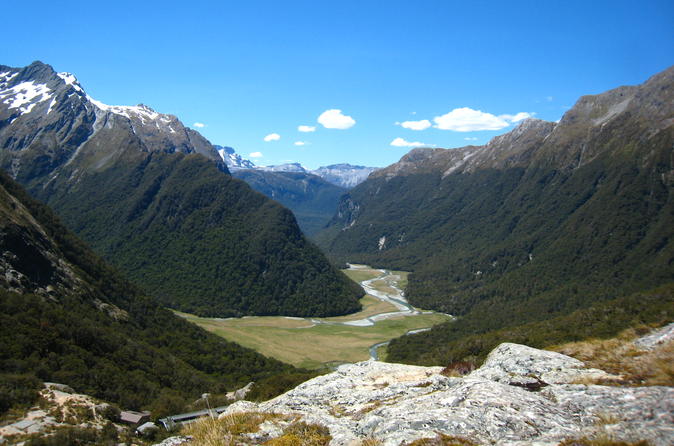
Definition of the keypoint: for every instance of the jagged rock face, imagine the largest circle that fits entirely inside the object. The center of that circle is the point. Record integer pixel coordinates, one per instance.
(50, 126)
(400, 403)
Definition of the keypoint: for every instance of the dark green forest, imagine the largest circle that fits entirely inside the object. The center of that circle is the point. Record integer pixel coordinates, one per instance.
(531, 240)
(199, 240)
(140, 356)
(472, 337)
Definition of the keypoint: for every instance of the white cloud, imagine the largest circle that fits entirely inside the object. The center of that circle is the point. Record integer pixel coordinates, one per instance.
(470, 139)
(334, 119)
(415, 125)
(400, 142)
(549, 98)
(306, 128)
(301, 143)
(255, 155)
(518, 117)
(199, 125)
(466, 119)
(272, 137)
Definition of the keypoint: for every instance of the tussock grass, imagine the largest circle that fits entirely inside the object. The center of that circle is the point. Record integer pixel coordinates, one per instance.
(619, 356)
(302, 434)
(231, 430)
(209, 432)
(458, 368)
(227, 430)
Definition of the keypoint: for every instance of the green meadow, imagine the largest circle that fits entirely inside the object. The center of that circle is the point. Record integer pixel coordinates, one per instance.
(305, 344)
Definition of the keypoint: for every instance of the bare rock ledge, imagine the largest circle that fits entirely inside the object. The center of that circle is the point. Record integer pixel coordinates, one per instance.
(520, 396)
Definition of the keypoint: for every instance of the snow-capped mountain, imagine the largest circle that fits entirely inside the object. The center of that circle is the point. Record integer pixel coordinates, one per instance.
(288, 167)
(139, 186)
(47, 121)
(232, 159)
(343, 175)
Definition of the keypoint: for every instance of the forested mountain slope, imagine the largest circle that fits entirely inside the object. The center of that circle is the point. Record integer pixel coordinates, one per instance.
(544, 220)
(67, 317)
(155, 199)
(312, 199)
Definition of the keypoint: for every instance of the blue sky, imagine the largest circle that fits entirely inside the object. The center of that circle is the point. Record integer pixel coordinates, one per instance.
(246, 70)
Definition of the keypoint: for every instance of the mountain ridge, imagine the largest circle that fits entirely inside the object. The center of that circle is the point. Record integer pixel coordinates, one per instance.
(541, 221)
(343, 175)
(64, 313)
(139, 186)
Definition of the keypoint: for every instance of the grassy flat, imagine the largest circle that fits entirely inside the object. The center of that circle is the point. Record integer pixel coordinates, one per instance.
(285, 339)
(304, 344)
(358, 275)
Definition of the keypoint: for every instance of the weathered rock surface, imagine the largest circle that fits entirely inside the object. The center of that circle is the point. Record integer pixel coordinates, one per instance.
(400, 403)
(519, 365)
(174, 441)
(656, 338)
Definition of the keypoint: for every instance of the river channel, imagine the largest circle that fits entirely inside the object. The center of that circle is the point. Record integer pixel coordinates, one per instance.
(396, 297)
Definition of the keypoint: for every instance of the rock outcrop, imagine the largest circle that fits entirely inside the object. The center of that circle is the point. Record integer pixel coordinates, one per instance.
(656, 338)
(59, 407)
(397, 404)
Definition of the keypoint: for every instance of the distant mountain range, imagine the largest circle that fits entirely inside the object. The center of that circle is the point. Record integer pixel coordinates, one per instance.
(312, 195)
(156, 199)
(343, 175)
(544, 220)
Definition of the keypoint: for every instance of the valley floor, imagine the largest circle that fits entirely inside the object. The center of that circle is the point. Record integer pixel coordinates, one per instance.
(317, 342)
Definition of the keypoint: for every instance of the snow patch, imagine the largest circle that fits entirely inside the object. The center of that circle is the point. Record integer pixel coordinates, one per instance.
(25, 96)
(138, 111)
(459, 163)
(51, 105)
(6, 77)
(382, 242)
(70, 79)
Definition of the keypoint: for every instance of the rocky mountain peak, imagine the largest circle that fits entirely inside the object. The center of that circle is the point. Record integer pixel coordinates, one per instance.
(71, 80)
(47, 116)
(36, 71)
(232, 159)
